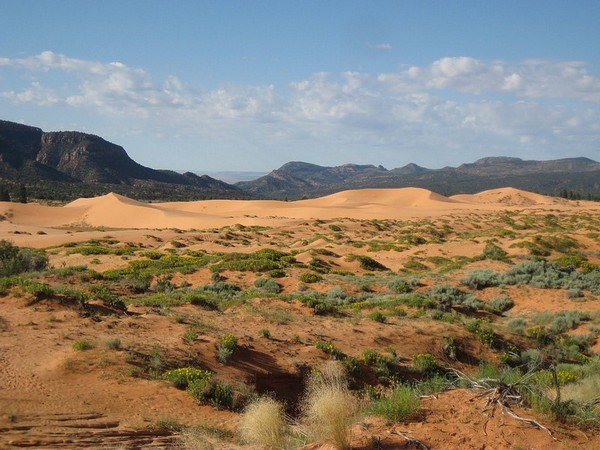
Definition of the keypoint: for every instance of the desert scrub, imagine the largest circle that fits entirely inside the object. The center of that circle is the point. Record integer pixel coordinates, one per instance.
(377, 317)
(82, 345)
(310, 277)
(400, 405)
(113, 343)
(263, 260)
(499, 305)
(183, 377)
(15, 260)
(265, 333)
(268, 285)
(399, 286)
(480, 279)
(367, 263)
(226, 347)
(427, 365)
(330, 349)
(328, 407)
(492, 251)
(264, 424)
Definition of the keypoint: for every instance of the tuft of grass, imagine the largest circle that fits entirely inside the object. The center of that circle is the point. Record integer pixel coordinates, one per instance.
(113, 343)
(226, 347)
(82, 345)
(264, 424)
(329, 407)
(400, 405)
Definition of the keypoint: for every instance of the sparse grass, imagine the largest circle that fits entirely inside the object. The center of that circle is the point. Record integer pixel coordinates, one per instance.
(264, 424)
(329, 407)
(400, 405)
(82, 345)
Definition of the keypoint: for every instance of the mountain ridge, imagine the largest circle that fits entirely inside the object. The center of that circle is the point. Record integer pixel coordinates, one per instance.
(548, 177)
(65, 165)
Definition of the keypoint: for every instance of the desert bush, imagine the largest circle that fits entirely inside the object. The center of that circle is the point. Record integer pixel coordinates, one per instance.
(264, 332)
(113, 343)
(264, 424)
(330, 349)
(226, 347)
(82, 345)
(310, 277)
(446, 296)
(263, 260)
(329, 407)
(368, 263)
(268, 285)
(400, 405)
(517, 326)
(108, 297)
(377, 317)
(500, 304)
(415, 266)
(480, 279)
(206, 300)
(492, 251)
(337, 296)
(15, 260)
(399, 286)
(185, 376)
(427, 364)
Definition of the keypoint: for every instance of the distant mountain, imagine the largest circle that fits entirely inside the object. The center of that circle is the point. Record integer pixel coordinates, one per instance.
(296, 180)
(64, 165)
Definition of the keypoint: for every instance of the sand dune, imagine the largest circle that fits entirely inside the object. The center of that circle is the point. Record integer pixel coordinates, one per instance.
(508, 196)
(116, 211)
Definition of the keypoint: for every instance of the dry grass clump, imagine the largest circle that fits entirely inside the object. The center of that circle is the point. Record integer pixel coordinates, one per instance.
(329, 407)
(264, 424)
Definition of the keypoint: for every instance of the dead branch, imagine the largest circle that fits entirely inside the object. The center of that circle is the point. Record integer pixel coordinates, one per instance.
(410, 440)
(533, 422)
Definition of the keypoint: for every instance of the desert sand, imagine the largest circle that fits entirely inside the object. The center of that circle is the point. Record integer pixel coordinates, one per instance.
(52, 396)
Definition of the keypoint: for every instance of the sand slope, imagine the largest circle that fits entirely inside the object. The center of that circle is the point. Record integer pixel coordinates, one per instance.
(116, 211)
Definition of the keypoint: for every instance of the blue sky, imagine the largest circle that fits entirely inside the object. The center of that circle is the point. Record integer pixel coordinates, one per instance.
(249, 85)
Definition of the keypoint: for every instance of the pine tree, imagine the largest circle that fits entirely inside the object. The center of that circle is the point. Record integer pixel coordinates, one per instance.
(22, 194)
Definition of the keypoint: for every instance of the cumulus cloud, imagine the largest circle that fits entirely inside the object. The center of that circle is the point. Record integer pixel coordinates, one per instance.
(454, 102)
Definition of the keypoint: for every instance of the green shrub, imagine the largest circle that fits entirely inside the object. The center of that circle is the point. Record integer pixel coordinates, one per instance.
(492, 251)
(500, 304)
(185, 376)
(400, 405)
(330, 349)
(113, 343)
(368, 263)
(203, 299)
(426, 364)
(480, 279)
(377, 317)
(310, 277)
(82, 345)
(15, 260)
(226, 347)
(399, 286)
(264, 332)
(268, 285)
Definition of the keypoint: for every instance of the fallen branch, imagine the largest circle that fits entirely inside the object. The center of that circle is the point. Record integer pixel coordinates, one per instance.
(533, 422)
(410, 440)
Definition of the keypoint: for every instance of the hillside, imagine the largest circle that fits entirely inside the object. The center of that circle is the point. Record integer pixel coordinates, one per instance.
(66, 165)
(450, 321)
(298, 180)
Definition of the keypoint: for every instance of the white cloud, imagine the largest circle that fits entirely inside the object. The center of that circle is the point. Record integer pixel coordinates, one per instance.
(420, 108)
(381, 46)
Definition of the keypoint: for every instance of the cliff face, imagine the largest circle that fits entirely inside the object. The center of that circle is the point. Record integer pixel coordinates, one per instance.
(88, 158)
